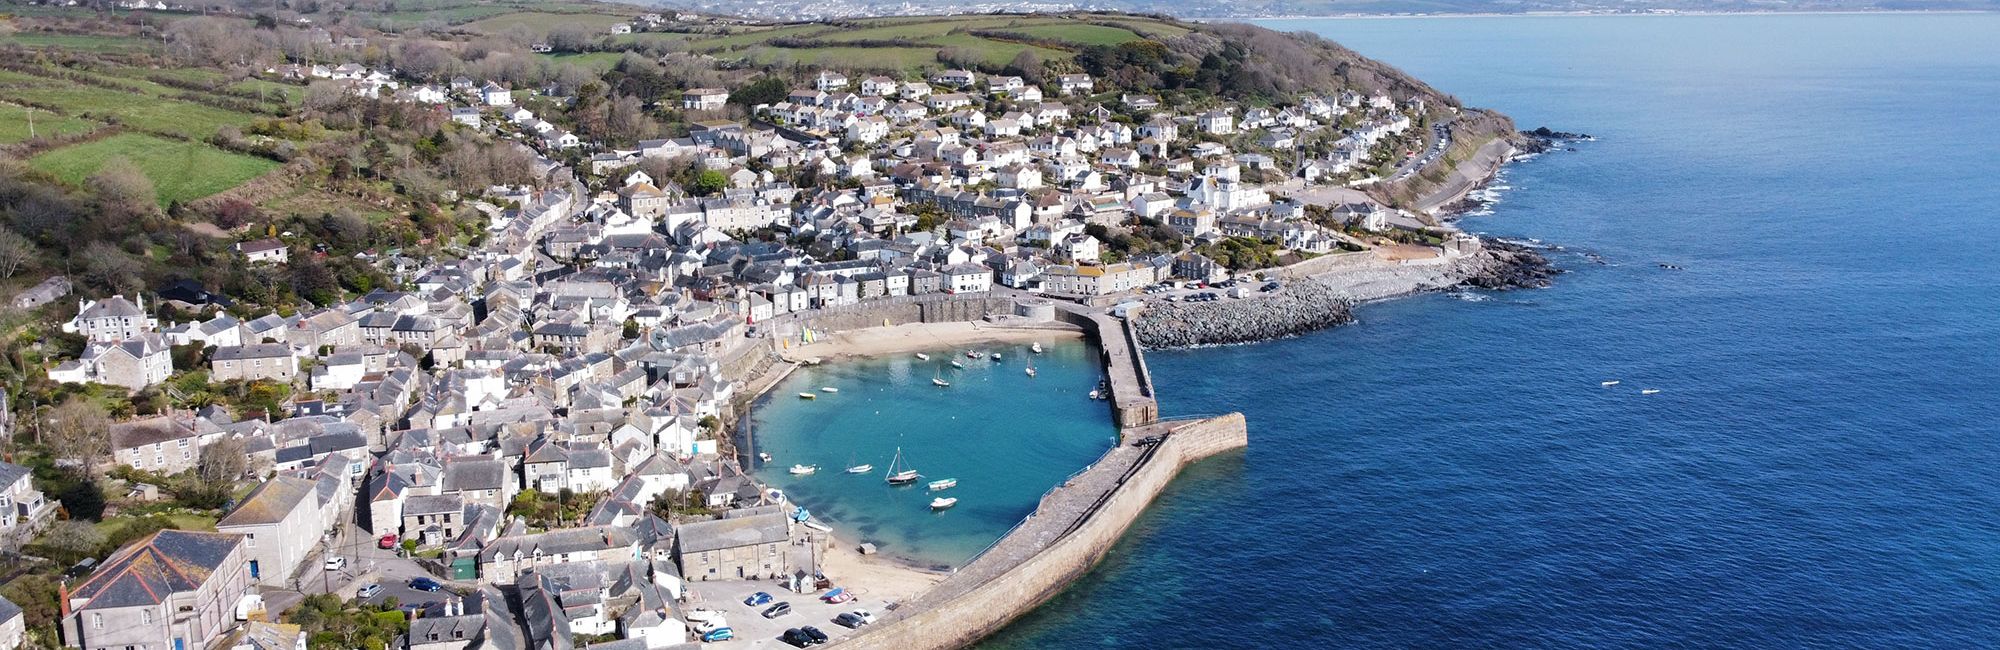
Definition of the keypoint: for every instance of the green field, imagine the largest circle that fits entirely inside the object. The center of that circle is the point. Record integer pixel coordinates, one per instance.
(541, 23)
(451, 16)
(930, 34)
(14, 124)
(79, 42)
(598, 61)
(1079, 33)
(180, 171)
(136, 110)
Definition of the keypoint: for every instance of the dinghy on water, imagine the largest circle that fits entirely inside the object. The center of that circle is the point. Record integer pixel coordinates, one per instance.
(940, 383)
(956, 364)
(1608, 384)
(996, 356)
(1649, 391)
(923, 357)
(861, 469)
(808, 396)
(944, 484)
(802, 470)
(828, 389)
(1036, 347)
(941, 503)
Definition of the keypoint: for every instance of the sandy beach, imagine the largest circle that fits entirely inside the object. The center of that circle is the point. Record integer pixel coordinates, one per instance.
(917, 337)
(875, 577)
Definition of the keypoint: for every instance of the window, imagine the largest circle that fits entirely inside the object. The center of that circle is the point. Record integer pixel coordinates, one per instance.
(97, 621)
(145, 617)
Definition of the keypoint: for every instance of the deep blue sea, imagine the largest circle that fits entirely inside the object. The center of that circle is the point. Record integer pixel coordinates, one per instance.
(1821, 467)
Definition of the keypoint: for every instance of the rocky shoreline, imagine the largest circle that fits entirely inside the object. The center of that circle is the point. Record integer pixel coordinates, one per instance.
(1313, 304)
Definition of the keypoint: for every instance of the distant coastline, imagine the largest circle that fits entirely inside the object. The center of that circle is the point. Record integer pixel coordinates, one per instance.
(1591, 14)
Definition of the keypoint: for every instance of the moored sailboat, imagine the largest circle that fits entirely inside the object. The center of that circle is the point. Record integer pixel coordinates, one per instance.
(903, 476)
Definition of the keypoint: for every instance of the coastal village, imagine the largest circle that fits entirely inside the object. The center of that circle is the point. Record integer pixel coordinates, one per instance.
(528, 444)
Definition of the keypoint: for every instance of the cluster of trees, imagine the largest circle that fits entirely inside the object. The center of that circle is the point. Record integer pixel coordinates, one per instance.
(548, 511)
(330, 624)
(1141, 238)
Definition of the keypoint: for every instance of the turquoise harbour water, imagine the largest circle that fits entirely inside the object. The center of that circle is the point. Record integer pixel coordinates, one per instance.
(1005, 436)
(1821, 467)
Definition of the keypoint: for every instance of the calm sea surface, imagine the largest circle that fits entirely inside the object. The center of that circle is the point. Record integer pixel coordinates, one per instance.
(1822, 466)
(1005, 436)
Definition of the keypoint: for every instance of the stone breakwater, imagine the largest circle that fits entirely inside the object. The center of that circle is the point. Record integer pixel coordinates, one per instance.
(1327, 299)
(1296, 308)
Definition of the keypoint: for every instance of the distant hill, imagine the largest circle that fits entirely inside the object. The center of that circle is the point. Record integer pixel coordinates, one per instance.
(1271, 8)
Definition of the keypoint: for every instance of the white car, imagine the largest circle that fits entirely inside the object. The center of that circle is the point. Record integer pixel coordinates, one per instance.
(865, 615)
(336, 563)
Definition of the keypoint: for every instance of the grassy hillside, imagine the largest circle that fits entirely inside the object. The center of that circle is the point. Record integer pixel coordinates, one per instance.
(180, 171)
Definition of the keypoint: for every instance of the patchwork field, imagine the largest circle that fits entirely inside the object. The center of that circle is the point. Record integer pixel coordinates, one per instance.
(14, 124)
(541, 23)
(145, 110)
(78, 42)
(876, 41)
(180, 171)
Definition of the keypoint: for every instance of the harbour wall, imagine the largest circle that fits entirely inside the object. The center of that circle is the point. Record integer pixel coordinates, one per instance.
(1075, 526)
(1132, 400)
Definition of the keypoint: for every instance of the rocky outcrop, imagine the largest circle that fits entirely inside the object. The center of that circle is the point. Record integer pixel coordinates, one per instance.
(1298, 307)
(1325, 301)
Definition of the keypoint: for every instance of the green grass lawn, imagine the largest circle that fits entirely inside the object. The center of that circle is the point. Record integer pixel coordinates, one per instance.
(450, 16)
(599, 61)
(80, 42)
(888, 58)
(180, 171)
(1079, 33)
(181, 521)
(139, 111)
(14, 124)
(541, 23)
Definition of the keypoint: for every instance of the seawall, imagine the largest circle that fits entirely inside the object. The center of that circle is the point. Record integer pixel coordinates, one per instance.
(1072, 529)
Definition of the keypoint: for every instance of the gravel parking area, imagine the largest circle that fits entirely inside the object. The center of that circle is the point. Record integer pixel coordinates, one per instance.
(755, 631)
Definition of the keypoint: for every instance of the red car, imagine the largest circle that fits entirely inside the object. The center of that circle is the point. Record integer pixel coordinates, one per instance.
(387, 541)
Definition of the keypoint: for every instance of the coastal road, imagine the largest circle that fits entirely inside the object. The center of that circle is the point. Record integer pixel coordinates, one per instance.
(1440, 141)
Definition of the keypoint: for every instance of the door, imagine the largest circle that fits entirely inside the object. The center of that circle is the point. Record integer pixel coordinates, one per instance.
(253, 573)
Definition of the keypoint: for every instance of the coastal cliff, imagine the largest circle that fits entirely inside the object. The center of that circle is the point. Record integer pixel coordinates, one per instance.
(1327, 300)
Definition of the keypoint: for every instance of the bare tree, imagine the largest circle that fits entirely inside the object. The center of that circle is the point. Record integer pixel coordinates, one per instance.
(15, 252)
(79, 430)
(222, 462)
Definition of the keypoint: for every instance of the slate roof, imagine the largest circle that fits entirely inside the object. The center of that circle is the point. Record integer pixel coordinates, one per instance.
(732, 533)
(149, 570)
(433, 505)
(270, 502)
(467, 475)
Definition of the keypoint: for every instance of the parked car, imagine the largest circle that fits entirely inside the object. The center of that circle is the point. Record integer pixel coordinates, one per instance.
(756, 599)
(387, 541)
(818, 637)
(778, 610)
(848, 620)
(425, 584)
(796, 637)
(336, 563)
(369, 591)
(718, 634)
(866, 616)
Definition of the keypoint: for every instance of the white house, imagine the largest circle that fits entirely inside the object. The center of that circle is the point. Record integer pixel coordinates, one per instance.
(494, 94)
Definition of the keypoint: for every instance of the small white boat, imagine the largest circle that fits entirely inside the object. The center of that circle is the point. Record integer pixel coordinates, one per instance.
(971, 354)
(1095, 395)
(941, 503)
(861, 469)
(1649, 391)
(808, 396)
(801, 470)
(923, 357)
(828, 389)
(996, 356)
(956, 364)
(940, 383)
(1036, 347)
(1608, 384)
(1031, 371)
(944, 484)
(764, 456)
